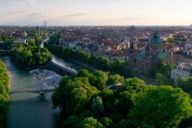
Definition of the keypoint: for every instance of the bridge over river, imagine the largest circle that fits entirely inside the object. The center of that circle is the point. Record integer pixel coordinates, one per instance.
(57, 68)
(54, 65)
(32, 90)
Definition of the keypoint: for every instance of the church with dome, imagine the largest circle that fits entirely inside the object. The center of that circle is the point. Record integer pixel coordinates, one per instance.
(155, 40)
(153, 51)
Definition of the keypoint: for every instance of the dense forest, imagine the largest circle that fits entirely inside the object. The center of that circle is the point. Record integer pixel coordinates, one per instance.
(4, 96)
(99, 100)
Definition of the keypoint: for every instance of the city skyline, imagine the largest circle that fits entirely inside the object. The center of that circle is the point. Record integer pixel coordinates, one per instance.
(95, 12)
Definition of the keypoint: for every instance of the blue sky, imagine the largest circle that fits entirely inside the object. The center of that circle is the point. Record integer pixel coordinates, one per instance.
(96, 12)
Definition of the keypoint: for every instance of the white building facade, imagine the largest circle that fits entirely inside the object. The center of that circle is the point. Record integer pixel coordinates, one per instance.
(182, 70)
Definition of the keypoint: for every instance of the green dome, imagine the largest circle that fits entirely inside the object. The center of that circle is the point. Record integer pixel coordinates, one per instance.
(162, 55)
(155, 39)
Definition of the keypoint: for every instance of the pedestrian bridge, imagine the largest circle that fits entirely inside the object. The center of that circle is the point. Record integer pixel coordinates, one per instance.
(32, 90)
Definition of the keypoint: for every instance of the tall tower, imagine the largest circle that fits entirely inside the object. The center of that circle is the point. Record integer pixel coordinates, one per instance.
(45, 24)
(155, 42)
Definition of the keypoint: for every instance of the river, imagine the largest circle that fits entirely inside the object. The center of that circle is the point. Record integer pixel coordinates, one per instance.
(26, 110)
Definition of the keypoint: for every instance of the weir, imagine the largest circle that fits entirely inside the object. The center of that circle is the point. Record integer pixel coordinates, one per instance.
(61, 70)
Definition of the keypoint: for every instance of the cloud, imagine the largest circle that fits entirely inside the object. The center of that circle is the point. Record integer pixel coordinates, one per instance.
(74, 15)
(24, 3)
(26, 0)
(129, 18)
(14, 12)
(11, 14)
(34, 14)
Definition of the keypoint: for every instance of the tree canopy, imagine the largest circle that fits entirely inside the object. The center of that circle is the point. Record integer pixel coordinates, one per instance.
(90, 122)
(185, 83)
(134, 104)
(29, 55)
(4, 97)
(160, 107)
(160, 72)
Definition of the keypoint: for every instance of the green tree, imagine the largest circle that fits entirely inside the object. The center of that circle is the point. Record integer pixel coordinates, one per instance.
(97, 106)
(30, 55)
(115, 79)
(134, 85)
(185, 83)
(160, 72)
(4, 96)
(54, 39)
(90, 122)
(71, 122)
(100, 79)
(160, 107)
(73, 95)
(60, 94)
(161, 79)
(107, 122)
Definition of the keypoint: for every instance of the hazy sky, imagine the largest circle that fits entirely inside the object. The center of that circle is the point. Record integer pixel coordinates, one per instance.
(96, 12)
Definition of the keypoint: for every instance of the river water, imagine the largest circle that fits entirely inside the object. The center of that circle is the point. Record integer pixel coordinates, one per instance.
(26, 110)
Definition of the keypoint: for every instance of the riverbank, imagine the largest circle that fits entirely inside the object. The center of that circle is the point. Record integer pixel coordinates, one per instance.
(92, 61)
(26, 110)
(4, 97)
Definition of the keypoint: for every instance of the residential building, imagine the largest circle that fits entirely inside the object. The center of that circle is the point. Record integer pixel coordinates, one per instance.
(182, 70)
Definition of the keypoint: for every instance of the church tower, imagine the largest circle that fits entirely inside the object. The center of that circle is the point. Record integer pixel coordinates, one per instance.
(155, 42)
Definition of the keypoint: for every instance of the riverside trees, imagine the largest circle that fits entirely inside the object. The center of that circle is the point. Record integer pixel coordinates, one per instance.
(98, 62)
(4, 97)
(29, 55)
(134, 104)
